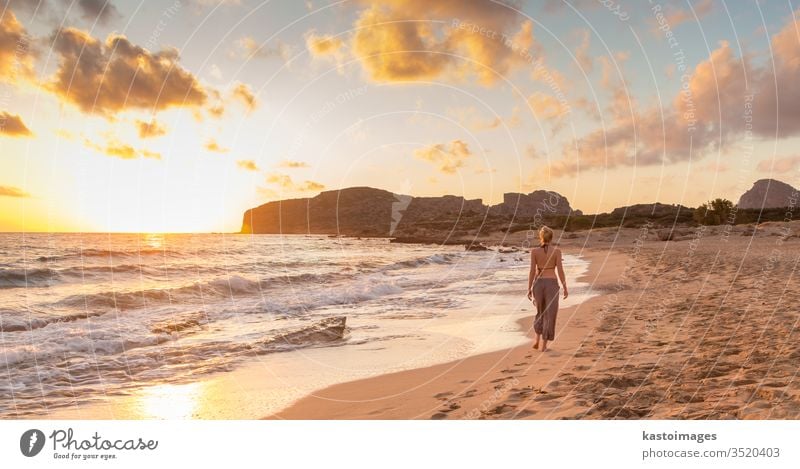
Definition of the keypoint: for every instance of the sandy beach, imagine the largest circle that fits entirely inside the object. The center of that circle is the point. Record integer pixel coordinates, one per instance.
(701, 326)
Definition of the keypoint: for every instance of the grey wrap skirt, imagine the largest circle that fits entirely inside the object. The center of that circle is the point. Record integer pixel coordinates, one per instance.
(545, 297)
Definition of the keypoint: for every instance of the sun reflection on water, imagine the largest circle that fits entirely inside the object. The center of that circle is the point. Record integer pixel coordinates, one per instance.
(170, 401)
(154, 240)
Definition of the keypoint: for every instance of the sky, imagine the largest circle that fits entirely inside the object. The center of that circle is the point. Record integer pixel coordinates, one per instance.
(178, 115)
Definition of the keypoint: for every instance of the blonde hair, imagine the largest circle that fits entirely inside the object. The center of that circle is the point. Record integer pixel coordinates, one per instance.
(545, 235)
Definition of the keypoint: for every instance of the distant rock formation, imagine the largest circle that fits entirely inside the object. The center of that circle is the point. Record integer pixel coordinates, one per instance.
(353, 211)
(768, 193)
(365, 211)
(654, 210)
(537, 203)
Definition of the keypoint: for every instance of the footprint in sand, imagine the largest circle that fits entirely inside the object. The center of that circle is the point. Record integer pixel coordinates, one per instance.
(500, 409)
(547, 396)
(520, 396)
(453, 406)
(524, 413)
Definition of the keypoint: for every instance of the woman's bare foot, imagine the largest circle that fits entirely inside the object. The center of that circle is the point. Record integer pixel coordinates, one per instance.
(536, 344)
(544, 346)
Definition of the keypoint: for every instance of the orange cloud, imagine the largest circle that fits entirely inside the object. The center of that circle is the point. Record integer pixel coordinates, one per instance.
(448, 158)
(285, 182)
(310, 186)
(244, 93)
(248, 165)
(323, 45)
(150, 129)
(106, 78)
(724, 98)
(9, 191)
(293, 164)
(117, 149)
(13, 126)
(545, 106)
(420, 40)
(212, 145)
(16, 58)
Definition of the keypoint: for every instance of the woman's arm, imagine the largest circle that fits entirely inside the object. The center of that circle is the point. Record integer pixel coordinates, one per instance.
(531, 276)
(561, 274)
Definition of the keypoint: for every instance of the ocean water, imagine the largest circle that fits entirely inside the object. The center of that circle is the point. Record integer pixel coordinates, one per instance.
(86, 317)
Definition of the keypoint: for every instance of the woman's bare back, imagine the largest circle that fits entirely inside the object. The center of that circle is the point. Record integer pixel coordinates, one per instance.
(547, 261)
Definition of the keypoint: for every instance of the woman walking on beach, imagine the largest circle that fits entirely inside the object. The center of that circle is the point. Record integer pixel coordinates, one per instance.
(543, 287)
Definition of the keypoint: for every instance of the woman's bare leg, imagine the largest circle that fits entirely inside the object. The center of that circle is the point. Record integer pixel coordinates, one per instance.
(544, 345)
(536, 344)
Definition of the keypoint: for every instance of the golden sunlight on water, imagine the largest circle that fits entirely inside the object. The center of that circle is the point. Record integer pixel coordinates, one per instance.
(154, 240)
(170, 401)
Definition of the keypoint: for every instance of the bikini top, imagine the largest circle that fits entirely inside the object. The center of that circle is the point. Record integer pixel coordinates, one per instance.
(546, 268)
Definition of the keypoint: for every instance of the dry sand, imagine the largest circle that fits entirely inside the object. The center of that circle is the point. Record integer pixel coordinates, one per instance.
(703, 326)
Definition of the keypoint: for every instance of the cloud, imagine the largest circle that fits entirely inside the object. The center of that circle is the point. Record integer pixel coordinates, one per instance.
(109, 77)
(326, 47)
(310, 186)
(16, 56)
(212, 145)
(420, 40)
(102, 11)
(248, 48)
(117, 149)
(9, 191)
(150, 129)
(447, 158)
(244, 93)
(323, 45)
(469, 117)
(547, 107)
(780, 165)
(12, 126)
(723, 99)
(248, 165)
(282, 180)
(674, 16)
(285, 182)
(215, 72)
(293, 164)
(65, 134)
(582, 53)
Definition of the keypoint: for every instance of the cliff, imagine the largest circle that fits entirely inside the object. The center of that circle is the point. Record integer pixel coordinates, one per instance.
(365, 211)
(768, 193)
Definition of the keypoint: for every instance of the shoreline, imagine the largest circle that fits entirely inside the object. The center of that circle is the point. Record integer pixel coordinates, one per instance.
(469, 387)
